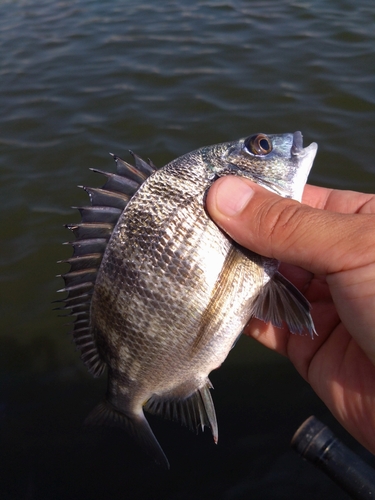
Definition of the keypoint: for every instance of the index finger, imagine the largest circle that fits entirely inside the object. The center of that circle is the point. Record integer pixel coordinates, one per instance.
(336, 200)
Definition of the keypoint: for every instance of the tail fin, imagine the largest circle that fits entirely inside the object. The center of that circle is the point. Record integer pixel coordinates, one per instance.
(136, 425)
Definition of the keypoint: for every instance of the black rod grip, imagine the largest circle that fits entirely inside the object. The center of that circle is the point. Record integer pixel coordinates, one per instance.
(316, 442)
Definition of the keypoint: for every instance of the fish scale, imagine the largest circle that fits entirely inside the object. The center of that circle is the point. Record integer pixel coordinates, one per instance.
(160, 293)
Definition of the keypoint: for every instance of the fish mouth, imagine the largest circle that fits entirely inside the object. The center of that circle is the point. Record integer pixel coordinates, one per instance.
(297, 146)
(304, 158)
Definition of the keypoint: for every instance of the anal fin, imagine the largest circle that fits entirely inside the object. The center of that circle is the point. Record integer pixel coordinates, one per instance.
(278, 301)
(197, 410)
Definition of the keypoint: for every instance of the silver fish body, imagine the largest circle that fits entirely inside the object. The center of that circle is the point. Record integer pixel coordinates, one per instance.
(172, 292)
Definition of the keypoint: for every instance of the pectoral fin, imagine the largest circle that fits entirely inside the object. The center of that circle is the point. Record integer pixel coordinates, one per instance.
(279, 301)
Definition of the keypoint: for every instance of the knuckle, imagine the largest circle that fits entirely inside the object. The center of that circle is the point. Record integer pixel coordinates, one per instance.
(281, 219)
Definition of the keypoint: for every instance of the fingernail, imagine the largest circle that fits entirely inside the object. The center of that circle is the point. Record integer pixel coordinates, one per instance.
(232, 195)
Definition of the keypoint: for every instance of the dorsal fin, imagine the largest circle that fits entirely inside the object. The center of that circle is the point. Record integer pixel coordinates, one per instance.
(146, 168)
(92, 235)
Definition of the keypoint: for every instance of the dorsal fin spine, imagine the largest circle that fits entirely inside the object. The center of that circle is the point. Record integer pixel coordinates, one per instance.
(92, 235)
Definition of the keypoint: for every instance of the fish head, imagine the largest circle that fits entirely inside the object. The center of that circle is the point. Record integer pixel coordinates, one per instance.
(278, 162)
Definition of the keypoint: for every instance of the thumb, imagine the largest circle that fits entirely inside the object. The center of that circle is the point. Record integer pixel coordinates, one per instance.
(319, 241)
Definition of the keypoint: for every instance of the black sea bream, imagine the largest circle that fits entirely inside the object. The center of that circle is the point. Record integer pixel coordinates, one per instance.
(160, 294)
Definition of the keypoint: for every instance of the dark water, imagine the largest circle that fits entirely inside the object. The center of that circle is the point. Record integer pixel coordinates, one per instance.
(80, 79)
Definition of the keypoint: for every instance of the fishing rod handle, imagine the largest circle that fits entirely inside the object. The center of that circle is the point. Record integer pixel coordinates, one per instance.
(315, 442)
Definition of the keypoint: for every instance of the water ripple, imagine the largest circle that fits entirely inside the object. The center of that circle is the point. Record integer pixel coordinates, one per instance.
(162, 78)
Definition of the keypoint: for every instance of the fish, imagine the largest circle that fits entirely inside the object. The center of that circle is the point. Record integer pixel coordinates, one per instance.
(159, 294)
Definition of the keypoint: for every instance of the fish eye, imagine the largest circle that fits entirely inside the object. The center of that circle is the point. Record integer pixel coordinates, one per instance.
(258, 144)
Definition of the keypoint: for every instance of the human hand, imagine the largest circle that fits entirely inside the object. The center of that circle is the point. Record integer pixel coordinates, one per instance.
(328, 252)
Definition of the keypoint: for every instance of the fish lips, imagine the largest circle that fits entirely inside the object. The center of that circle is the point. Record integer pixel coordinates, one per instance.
(297, 148)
